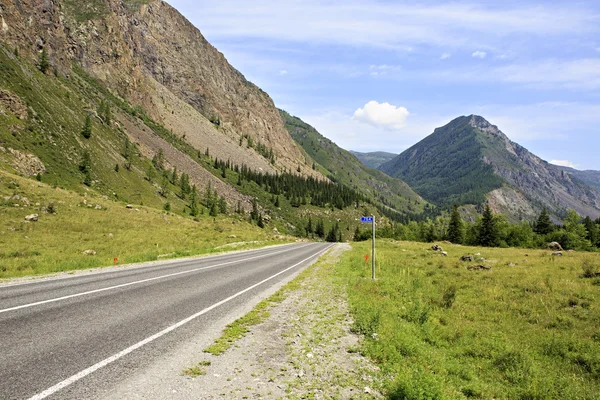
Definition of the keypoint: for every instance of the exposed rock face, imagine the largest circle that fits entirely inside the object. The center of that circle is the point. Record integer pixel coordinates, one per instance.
(9, 102)
(26, 163)
(153, 57)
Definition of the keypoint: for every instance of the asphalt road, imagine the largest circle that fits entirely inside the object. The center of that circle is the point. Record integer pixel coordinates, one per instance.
(76, 337)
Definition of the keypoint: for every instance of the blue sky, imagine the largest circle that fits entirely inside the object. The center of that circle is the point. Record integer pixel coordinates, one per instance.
(381, 75)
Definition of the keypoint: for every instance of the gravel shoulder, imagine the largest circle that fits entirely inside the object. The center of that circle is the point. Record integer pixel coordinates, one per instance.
(303, 349)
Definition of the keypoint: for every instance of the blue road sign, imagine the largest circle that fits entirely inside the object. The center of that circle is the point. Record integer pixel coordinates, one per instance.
(366, 220)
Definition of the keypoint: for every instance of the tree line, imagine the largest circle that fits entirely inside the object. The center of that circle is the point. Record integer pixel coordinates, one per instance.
(493, 230)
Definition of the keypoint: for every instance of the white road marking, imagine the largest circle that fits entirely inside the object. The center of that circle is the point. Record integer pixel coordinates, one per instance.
(138, 282)
(105, 362)
(181, 262)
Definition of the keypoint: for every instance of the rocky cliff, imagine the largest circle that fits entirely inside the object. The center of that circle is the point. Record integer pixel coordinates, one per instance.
(147, 53)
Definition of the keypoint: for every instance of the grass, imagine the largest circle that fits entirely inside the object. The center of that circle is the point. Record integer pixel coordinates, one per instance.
(527, 329)
(56, 242)
(197, 370)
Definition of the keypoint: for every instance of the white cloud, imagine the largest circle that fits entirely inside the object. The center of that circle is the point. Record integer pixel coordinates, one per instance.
(382, 115)
(373, 23)
(382, 70)
(581, 74)
(479, 54)
(283, 72)
(563, 163)
(445, 56)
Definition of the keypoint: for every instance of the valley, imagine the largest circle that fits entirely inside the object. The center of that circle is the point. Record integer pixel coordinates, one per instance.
(130, 146)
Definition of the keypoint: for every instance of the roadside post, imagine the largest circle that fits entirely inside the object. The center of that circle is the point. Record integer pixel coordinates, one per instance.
(365, 220)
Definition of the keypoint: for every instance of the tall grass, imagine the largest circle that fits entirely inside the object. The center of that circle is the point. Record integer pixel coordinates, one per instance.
(527, 329)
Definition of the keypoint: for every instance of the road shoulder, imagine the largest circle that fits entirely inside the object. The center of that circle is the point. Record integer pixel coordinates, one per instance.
(303, 349)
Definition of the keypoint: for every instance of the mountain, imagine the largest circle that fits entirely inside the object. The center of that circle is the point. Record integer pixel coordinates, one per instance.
(341, 166)
(126, 100)
(148, 54)
(589, 177)
(470, 161)
(374, 159)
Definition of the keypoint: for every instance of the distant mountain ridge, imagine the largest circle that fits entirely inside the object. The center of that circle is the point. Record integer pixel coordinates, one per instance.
(373, 159)
(470, 161)
(341, 166)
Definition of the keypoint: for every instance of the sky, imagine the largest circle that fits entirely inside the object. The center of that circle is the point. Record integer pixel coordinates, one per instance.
(382, 75)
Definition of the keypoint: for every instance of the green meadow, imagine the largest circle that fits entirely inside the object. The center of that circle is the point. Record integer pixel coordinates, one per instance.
(528, 328)
(69, 224)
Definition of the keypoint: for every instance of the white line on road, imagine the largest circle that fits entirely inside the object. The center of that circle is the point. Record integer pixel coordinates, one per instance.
(140, 281)
(105, 362)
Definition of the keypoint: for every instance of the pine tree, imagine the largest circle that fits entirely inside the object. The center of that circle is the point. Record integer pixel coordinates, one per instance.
(543, 225)
(164, 186)
(213, 210)
(193, 202)
(254, 213)
(222, 205)
(320, 229)
(175, 177)
(356, 236)
(150, 172)
(184, 185)
(44, 64)
(455, 227)
(85, 166)
(159, 160)
(309, 225)
(488, 234)
(86, 132)
(128, 153)
(592, 230)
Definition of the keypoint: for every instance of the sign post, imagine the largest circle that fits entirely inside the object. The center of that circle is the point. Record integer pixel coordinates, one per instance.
(371, 219)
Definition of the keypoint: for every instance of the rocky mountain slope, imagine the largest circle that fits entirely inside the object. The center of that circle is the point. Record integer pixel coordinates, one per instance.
(341, 166)
(470, 161)
(373, 159)
(148, 54)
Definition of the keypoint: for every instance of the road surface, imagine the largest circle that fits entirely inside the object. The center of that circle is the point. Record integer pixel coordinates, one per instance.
(76, 337)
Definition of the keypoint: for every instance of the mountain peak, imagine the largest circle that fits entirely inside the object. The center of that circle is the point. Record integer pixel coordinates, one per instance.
(483, 125)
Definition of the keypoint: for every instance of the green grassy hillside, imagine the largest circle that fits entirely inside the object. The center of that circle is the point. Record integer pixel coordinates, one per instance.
(341, 166)
(71, 223)
(447, 167)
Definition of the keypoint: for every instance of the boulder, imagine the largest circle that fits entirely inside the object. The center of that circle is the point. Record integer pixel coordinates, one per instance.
(557, 253)
(479, 267)
(32, 218)
(89, 253)
(445, 254)
(554, 246)
(436, 247)
(129, 206)
(467, 258)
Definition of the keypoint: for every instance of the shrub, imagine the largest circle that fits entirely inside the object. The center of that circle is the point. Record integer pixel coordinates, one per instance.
(449, 296)
(590, 270)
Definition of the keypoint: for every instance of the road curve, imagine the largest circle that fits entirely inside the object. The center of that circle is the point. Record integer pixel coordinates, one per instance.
(67, 338)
